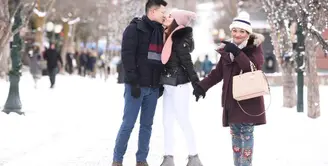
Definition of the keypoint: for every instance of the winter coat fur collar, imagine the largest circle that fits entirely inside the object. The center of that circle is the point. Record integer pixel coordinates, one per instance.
(185, 35)
(254, 41)
(181, 33)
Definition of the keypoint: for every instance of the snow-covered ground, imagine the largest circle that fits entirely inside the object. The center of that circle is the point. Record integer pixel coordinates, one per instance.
(76, 123)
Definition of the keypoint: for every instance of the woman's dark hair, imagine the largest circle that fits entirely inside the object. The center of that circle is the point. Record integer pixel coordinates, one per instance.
(152, 3)
(170, 29)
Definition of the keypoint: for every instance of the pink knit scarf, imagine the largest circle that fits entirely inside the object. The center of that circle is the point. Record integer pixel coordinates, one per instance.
(167, 49)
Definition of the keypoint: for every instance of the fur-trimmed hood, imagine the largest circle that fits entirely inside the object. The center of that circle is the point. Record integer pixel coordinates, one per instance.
(186, 31)
(185, 34)
(254, 40)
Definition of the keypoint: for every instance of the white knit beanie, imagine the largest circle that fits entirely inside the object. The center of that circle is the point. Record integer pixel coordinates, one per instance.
(242, 21)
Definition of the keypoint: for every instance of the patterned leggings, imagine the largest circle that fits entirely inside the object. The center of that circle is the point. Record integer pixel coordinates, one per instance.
(242, 143)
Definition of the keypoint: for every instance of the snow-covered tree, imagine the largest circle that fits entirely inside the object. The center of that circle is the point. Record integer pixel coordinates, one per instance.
(124, 13)
(278, 14)
(7, 12)
(312, 16)
(226, 10)
(8, 9)
(108, 19)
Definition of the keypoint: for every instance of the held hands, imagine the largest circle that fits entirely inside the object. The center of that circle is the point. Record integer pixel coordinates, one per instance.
(230, 47)
(198, 91)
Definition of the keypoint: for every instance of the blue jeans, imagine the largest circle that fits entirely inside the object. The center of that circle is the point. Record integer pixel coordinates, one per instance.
(147, 102)
(242, 143)
(52, 75)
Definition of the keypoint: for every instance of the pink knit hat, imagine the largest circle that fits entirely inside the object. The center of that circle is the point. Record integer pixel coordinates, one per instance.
(183, 19)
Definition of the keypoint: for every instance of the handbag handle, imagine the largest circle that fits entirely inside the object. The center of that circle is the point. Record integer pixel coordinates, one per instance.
(252, 66)
(242, 109)
(257, 115)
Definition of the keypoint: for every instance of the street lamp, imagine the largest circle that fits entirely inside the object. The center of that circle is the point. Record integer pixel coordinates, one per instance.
(58, 28)
(13, 103)
(53, 29)
(300, 48)
(50, 27)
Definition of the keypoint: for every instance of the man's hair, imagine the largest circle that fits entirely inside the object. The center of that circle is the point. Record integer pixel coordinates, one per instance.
(152, 3)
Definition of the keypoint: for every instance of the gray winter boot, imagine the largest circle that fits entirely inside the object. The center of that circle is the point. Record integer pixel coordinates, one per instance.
(194, 161)
(168, 161)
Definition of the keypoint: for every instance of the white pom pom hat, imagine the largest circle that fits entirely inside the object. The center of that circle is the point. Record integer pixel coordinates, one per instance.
(242, 21)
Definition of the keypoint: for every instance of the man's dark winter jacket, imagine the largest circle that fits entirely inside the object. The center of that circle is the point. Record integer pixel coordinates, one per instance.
(135, 44)
(52, 57)
(180, 62)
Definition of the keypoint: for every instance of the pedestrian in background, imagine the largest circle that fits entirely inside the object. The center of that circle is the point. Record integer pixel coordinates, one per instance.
(35, 67)
(54, 62)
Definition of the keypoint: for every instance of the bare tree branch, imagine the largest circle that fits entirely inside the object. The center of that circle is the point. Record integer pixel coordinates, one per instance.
(6, 12)
(5, 37)
(309, 27)
(232, 7)
(3, 19)
(50, 5)
(16, 10)
(301, 6)
(26, 21)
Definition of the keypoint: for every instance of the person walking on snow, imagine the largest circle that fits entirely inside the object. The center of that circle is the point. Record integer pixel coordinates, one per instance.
(35, 67)
(142, 45)
(236, 55)
(207, 66)
(52, 57)
(178, 65)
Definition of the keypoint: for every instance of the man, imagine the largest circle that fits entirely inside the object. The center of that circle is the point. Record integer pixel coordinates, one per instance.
(142, 45)
(52, 57)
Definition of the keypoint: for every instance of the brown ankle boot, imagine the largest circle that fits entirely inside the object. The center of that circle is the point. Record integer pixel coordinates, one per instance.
(117, 163)
(142, 164)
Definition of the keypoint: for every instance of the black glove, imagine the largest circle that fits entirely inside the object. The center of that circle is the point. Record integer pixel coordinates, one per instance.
(135, 91)
(198, 91)
(161, 91)
(230, 47)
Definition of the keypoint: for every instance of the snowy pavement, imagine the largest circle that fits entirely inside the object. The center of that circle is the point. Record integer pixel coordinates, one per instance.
(76, 123)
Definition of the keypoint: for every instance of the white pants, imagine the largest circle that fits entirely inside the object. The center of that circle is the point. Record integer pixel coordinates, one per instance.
(176, 107)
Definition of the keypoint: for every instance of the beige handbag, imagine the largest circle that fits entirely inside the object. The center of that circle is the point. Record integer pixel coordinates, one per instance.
(250, 85)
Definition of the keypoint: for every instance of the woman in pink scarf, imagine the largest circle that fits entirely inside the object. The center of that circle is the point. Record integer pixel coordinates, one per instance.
(179, 73)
